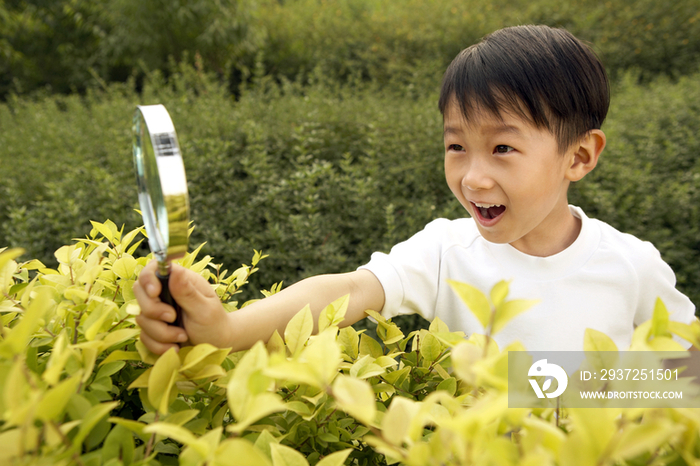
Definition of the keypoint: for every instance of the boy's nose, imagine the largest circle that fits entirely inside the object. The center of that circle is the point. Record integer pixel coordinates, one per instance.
(476, 178)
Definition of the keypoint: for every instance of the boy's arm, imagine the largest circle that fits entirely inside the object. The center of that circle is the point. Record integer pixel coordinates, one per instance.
(206, 321)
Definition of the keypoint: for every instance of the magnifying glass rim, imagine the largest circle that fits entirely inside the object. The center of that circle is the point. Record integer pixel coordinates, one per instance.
(167, 232)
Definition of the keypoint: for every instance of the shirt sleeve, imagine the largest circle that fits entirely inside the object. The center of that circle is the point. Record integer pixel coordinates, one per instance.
(657, 280)
(410, 273)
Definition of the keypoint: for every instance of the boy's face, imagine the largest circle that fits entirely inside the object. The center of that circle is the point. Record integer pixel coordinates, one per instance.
(512, 179)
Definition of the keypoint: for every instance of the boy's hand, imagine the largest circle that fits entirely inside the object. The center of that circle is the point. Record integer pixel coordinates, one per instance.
(204, 318)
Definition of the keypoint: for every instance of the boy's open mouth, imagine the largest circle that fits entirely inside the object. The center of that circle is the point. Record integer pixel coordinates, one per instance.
(489, 211)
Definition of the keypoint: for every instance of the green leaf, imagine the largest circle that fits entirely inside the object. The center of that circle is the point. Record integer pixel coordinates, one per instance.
(349, 341)
(204, 355)
(430, 347)
(335, 459)
(8, 267)
(398, 418)
(21, 333)
(283, 455)
(256, 408)
(55, 400)
(659, 319)
(181, 417)
(179, 434)
(124, 267)
(499, 292)
(689, 332)
(162, 380)
(323, 356)
(647, 437)
(275, 343)
(507, 310)
(117, 337)
(265, 440)
(119, 444)
(299, 330)
(334, 313)
(104, 230)
(355, 397)
(134, 426)
(475, 300)
(438, 326)
(595, 340)
(449, 385)
(238, 452)
(90, 420)
(369, 345)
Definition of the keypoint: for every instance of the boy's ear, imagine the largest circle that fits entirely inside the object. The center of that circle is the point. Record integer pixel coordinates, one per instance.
(585, 154)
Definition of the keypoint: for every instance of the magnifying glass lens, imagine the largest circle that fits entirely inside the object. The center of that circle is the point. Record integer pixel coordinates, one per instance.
(162, 186)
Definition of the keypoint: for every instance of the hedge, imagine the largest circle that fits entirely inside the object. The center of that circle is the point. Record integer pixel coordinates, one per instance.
(321, 175)
(78, 387)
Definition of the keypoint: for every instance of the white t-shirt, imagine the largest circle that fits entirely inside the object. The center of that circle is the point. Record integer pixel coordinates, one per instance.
(606, 280)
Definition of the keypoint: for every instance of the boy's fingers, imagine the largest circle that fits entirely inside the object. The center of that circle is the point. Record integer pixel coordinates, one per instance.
(150, 307)
(148, 280)
(189, 289)
(156, 346)
(160, 332)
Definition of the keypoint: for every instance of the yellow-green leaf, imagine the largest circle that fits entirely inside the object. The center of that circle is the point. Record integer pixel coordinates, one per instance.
(21, 333)
(118, 337)
(437, 326)
(349, 341)
(124, 267)
(335, 459)
(91, 418)
(595, 340)
(204, 355)
(334, 313)
(689, 332)
(397, 420)
(323, 356)
(430, 347)
(238, 452)
(646, 437)
(659, 319)
(179, 434)
(275, 343)
(509, 309)
(55, 400)
(283, 455)
(355, 397)
(369, 345)
(104, 230)
(299, 330)
(475, 300)
(256, 408)
(499, 292)
(162, 380)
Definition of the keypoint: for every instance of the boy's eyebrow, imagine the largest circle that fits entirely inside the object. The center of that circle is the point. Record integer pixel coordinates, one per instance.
(492, 130)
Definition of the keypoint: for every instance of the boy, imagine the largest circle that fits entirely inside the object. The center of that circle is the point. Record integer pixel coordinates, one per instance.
(522, 113)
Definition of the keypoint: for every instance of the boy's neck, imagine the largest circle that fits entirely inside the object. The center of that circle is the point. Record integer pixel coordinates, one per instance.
(560, 232)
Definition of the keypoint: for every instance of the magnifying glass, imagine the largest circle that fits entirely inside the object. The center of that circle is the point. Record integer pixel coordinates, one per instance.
(162, 188)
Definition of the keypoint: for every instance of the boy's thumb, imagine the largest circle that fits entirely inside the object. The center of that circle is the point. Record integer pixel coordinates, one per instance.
(189, 289)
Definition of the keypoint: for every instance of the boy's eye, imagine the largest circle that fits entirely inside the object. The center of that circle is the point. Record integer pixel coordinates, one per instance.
(455, 147)
(502, 149)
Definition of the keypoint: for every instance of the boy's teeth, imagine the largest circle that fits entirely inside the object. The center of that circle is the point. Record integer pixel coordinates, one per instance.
(490, 211)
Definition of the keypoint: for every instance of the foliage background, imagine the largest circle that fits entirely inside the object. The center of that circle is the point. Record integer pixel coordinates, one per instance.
(310, 128)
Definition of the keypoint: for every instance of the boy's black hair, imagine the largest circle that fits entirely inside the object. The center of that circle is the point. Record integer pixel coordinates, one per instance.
(543, 74)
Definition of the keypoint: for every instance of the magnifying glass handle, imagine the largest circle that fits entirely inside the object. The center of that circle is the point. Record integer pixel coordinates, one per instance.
(167, 298)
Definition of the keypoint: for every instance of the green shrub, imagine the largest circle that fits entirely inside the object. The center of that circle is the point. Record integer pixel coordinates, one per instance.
(322, 175)
(78, 388)
(70, 45)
